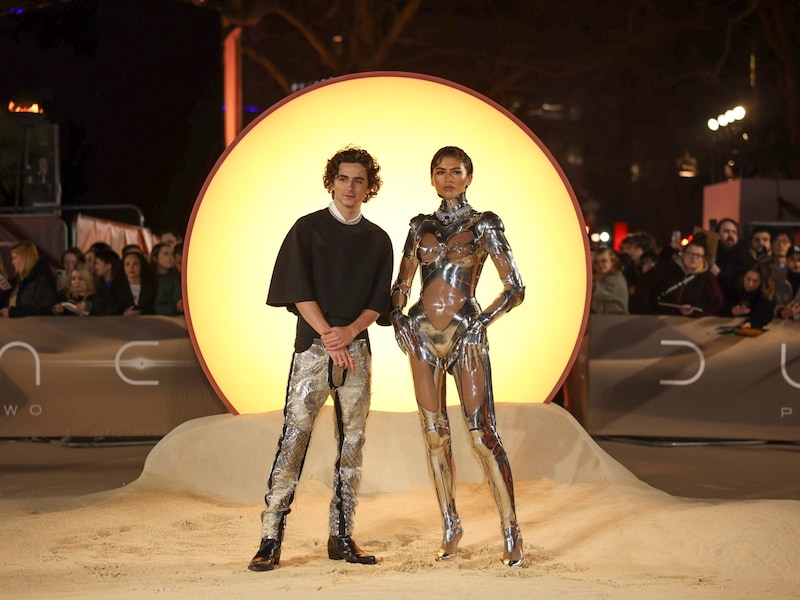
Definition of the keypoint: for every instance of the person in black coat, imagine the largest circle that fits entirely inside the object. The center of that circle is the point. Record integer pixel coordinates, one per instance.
(169, 294)
(33, 287)
(5, 285)
(753, 298)
(81, 297)
(732, 259)
(681, 286)
(133, 291)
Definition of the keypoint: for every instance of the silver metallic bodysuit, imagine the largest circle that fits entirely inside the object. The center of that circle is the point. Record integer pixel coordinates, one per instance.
(445, 332)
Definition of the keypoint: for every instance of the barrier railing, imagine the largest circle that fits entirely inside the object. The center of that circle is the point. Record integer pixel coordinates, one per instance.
(673, 377)
(99, 376)
(656, 377)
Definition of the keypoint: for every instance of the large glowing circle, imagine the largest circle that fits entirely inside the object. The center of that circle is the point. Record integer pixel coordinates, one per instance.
(272, 174)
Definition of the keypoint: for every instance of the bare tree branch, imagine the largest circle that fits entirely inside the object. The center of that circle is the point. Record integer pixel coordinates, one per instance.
(270, 67)
(733, 24)
(390, 40)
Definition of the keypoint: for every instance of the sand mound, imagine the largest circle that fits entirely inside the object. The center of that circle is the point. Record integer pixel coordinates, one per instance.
(229, 457)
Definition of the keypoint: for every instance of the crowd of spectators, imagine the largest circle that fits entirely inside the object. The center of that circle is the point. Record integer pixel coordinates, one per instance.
(756, 280)
(99, 281)
(712, 273)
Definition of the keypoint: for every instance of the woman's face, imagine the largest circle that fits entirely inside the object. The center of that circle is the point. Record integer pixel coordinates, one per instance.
(450, 177)
(77, 283)
(70, 260)
(603, 263)
(89, 256)
(133, 268)
(165, 259)
(752, 281)
(16, 262)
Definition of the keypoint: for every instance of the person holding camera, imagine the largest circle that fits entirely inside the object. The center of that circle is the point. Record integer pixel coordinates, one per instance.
(761, 243)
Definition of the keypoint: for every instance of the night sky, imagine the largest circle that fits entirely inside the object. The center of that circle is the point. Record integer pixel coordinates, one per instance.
(136, 89)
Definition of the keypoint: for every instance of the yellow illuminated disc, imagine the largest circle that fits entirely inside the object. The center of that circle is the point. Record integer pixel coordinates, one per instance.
(272, 174)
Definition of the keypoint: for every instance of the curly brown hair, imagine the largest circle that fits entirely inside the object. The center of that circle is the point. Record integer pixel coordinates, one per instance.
(354, 154)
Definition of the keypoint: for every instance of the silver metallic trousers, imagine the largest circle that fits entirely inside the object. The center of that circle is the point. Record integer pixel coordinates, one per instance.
(312, 380)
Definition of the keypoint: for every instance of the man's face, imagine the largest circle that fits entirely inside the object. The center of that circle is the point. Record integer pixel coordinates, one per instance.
(781, 245)
(102, 268)
(793, 262)
(728, 235)
(350, 187)
(760, 239)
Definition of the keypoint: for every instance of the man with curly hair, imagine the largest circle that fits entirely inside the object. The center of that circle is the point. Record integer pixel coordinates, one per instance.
(333, 272)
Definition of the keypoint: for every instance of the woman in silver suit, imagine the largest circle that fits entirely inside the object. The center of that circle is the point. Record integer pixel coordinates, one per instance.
(445, 332)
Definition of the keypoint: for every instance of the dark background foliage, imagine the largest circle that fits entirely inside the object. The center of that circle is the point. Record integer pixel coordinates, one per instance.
(619, 91)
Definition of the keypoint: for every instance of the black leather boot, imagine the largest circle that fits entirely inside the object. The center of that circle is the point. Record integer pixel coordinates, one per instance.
(344, 548)
(267, 557)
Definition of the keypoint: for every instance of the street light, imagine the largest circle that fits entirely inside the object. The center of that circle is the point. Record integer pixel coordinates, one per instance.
(727, 118)
(726, 125)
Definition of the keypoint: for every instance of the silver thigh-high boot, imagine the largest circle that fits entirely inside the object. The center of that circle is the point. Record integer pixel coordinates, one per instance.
(489, 449)
(436, 429)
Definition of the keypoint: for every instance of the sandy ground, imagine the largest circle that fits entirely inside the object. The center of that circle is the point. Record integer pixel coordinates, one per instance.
(187, 527)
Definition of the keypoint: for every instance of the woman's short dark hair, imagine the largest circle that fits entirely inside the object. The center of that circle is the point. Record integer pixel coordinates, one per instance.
(97, 246)
(452, 152)
(74, 250)
(107, 255)
(144, 265)
(156, 250)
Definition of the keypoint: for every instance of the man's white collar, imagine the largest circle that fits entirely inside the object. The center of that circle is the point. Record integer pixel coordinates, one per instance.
(340, 217)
